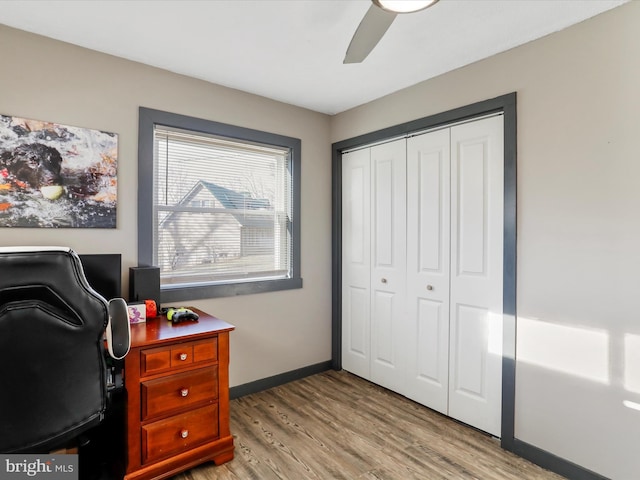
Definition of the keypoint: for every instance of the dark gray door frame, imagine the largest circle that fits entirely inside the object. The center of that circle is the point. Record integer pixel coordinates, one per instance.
(505, 104)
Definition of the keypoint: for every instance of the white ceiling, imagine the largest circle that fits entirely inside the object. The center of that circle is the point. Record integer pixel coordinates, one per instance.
(292, 50)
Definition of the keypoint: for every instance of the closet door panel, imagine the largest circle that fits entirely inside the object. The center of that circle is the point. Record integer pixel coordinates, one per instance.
(471, 212)
(357, 302)
(356, 262)
(388, 262)
(470, 353)
(429, 359)
(384, 331)
(427, 342)
(475, 386)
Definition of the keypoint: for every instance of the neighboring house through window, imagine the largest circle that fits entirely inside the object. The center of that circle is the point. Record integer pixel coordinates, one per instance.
(218, 207)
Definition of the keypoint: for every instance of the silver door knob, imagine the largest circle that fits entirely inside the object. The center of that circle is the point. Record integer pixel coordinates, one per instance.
(429, 287)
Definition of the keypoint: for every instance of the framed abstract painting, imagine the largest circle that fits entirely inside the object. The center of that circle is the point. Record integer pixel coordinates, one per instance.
(56, 176)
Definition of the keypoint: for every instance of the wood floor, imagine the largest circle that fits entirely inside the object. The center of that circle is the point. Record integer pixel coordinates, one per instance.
(335, 425)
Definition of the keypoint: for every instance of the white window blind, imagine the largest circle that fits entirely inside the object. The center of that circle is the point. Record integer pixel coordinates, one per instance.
(222, 209)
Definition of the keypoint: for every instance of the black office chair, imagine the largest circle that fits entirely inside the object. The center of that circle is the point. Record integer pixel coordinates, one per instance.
(53, 367)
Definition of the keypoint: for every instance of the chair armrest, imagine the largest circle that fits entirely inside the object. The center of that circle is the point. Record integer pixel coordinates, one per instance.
(118, 329)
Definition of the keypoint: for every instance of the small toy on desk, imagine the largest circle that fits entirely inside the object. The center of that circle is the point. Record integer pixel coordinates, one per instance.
(137, 312)
(177, 315)
(151, 308)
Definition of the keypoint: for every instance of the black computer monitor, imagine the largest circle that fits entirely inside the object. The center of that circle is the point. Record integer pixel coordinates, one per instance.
(104, 273)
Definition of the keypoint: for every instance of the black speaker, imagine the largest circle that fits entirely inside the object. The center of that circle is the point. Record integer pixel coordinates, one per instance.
(144, 284)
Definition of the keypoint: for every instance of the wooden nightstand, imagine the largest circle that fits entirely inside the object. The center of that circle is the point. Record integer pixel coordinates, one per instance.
(177, 381)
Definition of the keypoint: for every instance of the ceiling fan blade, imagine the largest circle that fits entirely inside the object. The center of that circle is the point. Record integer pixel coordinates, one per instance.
(371, 29)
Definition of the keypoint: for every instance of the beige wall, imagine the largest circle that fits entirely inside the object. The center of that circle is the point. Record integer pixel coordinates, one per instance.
(49, 80)
(578, 282)
(578, 204)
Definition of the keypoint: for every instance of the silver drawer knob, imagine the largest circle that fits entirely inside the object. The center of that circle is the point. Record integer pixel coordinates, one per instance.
(429, 287)
(184, 392)
(383, 280)
(184, 433)
(183, 356)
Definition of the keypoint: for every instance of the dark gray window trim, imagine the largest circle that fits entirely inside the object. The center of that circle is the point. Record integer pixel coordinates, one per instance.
(148, 118)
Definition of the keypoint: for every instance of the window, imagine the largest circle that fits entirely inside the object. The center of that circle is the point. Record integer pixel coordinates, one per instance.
(218, 207)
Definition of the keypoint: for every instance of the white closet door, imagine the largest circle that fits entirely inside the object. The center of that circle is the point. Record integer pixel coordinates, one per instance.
(427, 344)
(356, 262)
(475, 382)
(388, 262)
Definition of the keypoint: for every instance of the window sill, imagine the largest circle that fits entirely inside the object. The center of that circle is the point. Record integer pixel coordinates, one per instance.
(199, 292)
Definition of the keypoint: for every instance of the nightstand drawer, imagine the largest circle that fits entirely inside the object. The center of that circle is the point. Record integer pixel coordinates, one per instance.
(155, 360)
(181, 355)
(205, 351)
(176, 434)
(179, 391)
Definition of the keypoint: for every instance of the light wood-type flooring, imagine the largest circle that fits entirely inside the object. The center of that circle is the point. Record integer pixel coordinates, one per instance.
(335, 425)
